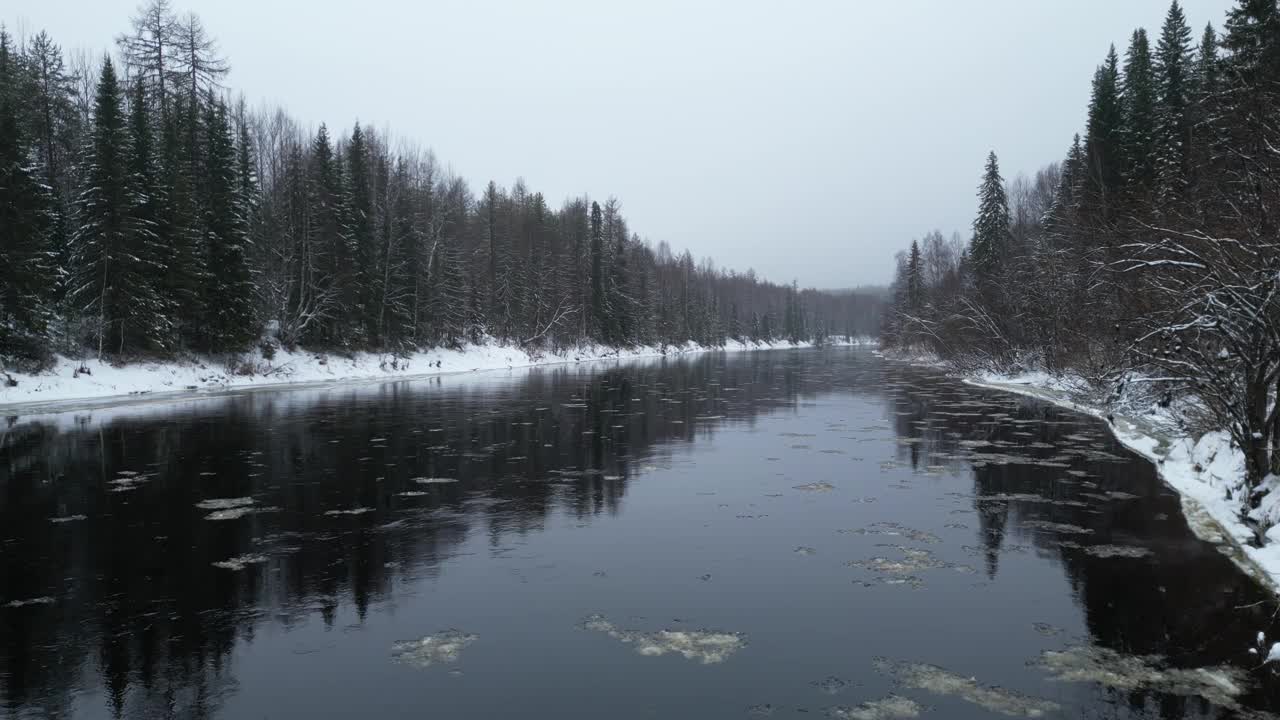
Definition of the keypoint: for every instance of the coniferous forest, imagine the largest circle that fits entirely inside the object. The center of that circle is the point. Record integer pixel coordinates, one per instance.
(1150, 254)
(147, 212)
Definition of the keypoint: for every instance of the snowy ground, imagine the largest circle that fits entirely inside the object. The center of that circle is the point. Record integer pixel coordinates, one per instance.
(1208, 472)
(65, 383)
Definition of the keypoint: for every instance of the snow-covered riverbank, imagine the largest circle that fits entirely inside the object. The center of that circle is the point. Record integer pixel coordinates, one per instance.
(1208, 472)
(67, 380)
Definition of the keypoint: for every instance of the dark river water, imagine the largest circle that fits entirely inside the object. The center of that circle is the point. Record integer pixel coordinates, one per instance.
(799, 533)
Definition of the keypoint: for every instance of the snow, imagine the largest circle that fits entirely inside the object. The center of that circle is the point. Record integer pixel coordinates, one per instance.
(1274, 654)
(1208, 472)
(64, 382)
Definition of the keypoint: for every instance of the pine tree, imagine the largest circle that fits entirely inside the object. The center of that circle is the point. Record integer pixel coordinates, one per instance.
(25, 205)
(1173, 79)
(991, 227)
(1139, 100)
(1103, 136)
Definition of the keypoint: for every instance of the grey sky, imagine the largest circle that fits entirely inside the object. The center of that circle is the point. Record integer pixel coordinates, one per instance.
(808, 140)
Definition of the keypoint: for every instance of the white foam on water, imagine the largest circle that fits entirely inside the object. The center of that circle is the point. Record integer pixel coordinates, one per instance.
(350, 511)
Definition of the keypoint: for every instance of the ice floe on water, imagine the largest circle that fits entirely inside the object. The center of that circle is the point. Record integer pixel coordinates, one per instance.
(896, 530)
(434, 480)
(816, 487)
(412, 493)
(442, 647)
(1219, 685)
(1108, 551)
(241, 562)
(127, 481)
(705, 646)
(831, 684)
(239, 512)
(940, 681)
(30, 601)
(913, 560)
(1046, 629)
(350, 511)
(1056, 527)
(225, 503)
(893, 706)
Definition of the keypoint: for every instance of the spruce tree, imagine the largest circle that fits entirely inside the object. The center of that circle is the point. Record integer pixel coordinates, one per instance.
(147, 318)
(599, 309)
(25, 205)
(1174, 85)
(228, 301)
(1139, 98)
(101, 244)
(1103, 136)
(360, 191)
(991, 227)
(914, 279)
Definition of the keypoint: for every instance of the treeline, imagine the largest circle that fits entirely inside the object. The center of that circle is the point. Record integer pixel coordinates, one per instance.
(144, 213)
(1150, 253)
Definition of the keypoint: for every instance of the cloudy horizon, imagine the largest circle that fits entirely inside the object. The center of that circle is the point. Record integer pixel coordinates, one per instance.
(804, 144)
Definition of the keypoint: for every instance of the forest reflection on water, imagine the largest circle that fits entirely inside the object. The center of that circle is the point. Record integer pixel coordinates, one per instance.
(708, 535)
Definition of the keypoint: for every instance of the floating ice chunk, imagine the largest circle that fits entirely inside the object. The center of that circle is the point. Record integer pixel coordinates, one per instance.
(239, 512)
(412, 493)
(1273, 654)
(241, 562)
(443, 647)
(225, 503)
(46, 600)
(830, 684)
(350, 511)
(434, 480)
(893, 706)
(1219, 685)
(1046, 629)
(1057, 527)
(1109, 551)
(816, 487)
(706, 646)
(940, 681)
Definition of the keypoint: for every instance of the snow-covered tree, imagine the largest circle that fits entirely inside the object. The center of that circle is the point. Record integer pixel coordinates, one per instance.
(991, 227)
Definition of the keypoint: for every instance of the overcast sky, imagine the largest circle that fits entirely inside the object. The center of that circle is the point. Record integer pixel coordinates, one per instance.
(808, 140)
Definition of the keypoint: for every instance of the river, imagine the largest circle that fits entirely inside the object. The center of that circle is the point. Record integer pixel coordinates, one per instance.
(799, 533)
